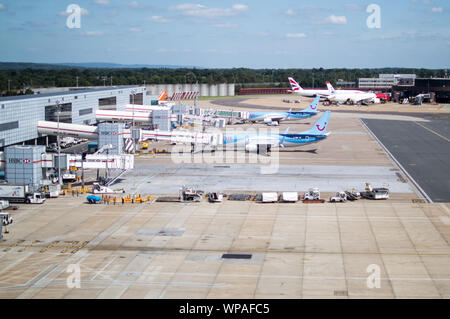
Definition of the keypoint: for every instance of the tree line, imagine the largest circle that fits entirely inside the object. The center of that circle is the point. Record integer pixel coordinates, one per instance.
(20, 81)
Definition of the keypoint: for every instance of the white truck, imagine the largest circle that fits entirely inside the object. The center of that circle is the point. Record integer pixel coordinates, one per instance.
(375, 193)
(99, 189)
(20, 194)
(269, 197)
(289, 197)
(312, 194)
(4, 204)
(67, 142)
(340, 197)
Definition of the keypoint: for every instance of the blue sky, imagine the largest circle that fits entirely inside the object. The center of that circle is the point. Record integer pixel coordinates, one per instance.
(241, 33)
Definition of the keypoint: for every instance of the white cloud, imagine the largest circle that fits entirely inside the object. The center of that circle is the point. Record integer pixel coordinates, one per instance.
(166, 50)
(84, 12)
(134, 4)
(437, 10)
(2, 7)
(135, 30)
(240, 7)
(290, 12)
(94, 33)
(198, 10)
(158, 19)
(225, 25)
(328, 34)
(354, 6)
(102, 2)
(295, 35)
(336, 19)
(187, 6)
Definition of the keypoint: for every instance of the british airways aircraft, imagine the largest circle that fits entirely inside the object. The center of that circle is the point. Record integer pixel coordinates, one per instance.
(297, 89)
(255, 142)
(272, 118)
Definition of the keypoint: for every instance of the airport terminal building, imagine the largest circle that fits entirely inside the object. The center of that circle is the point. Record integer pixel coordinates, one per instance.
(19, 114)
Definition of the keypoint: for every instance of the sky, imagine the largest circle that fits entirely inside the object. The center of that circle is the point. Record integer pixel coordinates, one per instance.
(225, 34)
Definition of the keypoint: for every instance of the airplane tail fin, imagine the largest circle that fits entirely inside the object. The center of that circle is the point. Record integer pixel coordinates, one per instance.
(314, 106)
(330, 87)
(294, 85)
(162, 96)
(320, 127)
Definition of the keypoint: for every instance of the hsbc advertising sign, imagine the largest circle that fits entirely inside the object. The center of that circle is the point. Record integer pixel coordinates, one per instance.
(108, 133)
(19, 161)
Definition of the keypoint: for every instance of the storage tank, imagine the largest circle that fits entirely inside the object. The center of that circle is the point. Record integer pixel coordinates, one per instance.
(204, 90)
(170, 89)
(223, 89)
(152, 89)
(231, 89)
(187, 87)
(213, 91)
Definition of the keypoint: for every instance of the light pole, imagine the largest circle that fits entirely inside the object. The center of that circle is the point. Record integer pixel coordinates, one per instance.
(111, 80)
(59, 145)
(77, 81)
(9, 85)
(133, 92)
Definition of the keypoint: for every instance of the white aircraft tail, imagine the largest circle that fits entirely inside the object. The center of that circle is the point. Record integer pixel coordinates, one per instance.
(295, 86)
(330, 87)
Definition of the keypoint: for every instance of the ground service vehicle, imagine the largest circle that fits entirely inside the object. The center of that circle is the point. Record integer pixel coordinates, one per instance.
(340, 197)
(20, 194)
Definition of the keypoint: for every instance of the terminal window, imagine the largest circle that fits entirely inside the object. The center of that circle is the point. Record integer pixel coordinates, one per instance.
(138, 99)
(107, 101)
(65, 115)
(85, 111)
(9, 126)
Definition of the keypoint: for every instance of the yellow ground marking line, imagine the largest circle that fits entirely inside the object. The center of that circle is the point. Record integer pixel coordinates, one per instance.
(435, 133)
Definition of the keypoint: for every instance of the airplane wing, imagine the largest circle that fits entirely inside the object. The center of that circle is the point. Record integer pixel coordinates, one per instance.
(273, 117)
(356, 99)
(254, 144)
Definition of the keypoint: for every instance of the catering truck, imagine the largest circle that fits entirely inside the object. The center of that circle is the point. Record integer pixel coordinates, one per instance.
(20, 194)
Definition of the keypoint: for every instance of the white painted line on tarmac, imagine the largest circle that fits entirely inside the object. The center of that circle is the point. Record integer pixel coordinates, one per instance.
(101, 270)
(398, 163)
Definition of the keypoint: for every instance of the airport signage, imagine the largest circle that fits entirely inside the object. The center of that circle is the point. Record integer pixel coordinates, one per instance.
(108, 133)
(19, 161)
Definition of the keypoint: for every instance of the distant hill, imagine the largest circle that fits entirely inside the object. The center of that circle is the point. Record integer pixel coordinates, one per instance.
(91, 65)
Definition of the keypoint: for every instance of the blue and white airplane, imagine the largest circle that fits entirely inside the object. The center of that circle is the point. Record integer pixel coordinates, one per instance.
(272, 118)
(255, 142)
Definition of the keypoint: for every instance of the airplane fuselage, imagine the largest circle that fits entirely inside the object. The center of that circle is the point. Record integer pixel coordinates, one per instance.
(278, 116)
(312, 93)
(288, 140)
(355, 97)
